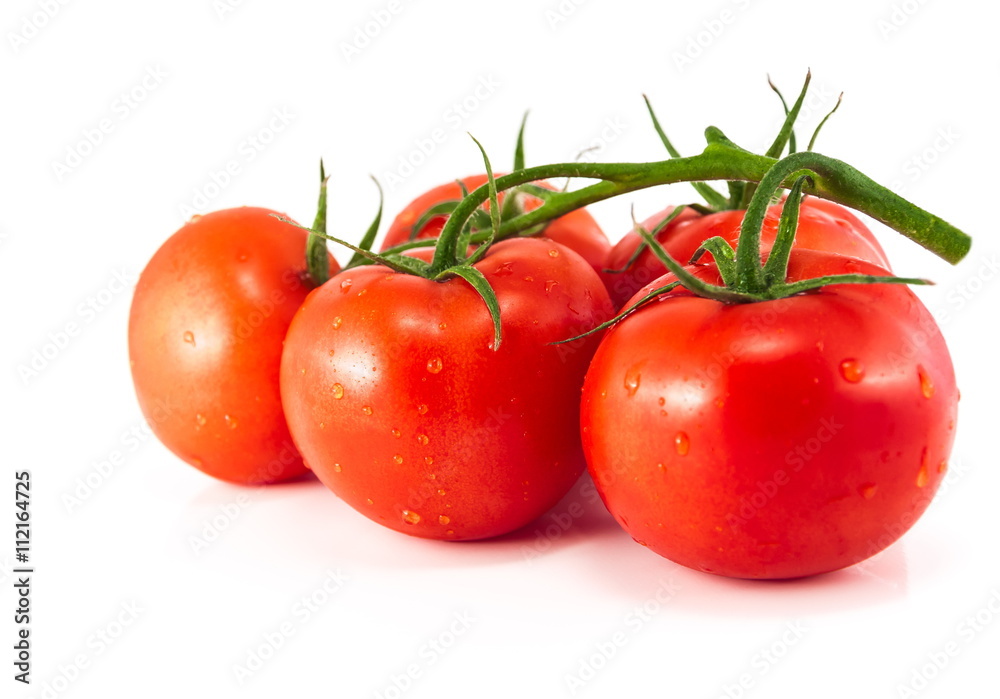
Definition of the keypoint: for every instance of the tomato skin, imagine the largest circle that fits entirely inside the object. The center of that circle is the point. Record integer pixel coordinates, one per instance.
(576, 230)
(823, 225)
(206, 328)
(401, 407)
(796, 436)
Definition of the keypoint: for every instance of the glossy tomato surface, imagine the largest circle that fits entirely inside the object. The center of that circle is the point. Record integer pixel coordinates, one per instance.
(776, 439)
(576, 230)
(401, 406)
(823, 225)
(206, 328)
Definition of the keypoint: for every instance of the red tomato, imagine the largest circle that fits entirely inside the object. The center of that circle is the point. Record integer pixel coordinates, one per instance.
(776, 439)
(823, 225)
(402, 408)
(576, 230)
(206, 328)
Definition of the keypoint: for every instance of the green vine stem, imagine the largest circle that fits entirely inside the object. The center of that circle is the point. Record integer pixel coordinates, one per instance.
(721, 160)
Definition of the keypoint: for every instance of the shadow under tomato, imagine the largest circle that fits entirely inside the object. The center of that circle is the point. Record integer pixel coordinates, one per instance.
(634, 573)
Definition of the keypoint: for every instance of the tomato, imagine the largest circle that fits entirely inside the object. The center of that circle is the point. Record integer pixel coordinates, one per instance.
(823, 225)
(776, 439)
(400, 405)
(206, 328)
(576, 230)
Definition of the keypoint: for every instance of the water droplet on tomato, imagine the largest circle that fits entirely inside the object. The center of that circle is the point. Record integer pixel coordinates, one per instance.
(867, 490)
(529, 279)
(442, 326)
(922, 475)
(411, 517)
(926, 385)
(423, 439)
(422, 409)
(632, 379)
(230, 421)
(942, 467)
(336, 322)
(362, 292)
(503, 269)
(242, 258)
(450, 532)
(195, 218)
(442, 492)
(396, 433)
(338, 391)
(553, 253)
(337, 468)
(189, 338)
(345, 286)
(444, 519)
(322, 425)
(200, 421)
(429, 460)
(549, 285)
(398, 458)
(370, 501)
(852, 370)
(662, 401)
(435, 365)
(682, 443)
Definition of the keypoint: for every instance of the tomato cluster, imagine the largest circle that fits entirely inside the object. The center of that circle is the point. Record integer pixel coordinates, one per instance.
(780, 410)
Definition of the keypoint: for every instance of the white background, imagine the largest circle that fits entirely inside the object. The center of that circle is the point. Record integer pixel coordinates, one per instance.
(910, 72)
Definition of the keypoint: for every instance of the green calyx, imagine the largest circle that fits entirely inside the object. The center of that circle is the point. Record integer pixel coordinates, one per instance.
(317, 257)
(753, 181)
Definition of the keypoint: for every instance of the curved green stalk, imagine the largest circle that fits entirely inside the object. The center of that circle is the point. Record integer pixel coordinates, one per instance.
(721, 160)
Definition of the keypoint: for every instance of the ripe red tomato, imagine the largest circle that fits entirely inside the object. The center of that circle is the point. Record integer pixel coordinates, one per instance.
(400, 405)
(823, 225)
(775, 439)
(576, 230)
(206, 328)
